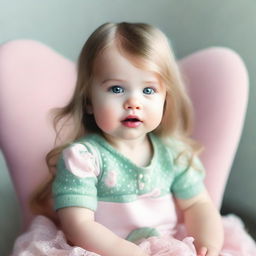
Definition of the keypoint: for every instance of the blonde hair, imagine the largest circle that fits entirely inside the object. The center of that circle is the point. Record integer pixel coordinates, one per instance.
(148, 48)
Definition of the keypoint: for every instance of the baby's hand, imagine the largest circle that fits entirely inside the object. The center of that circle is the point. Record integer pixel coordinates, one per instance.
(202, 251)
(205, 252)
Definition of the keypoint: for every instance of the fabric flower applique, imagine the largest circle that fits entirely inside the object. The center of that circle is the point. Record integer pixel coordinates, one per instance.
(111, 179)
(80, 161)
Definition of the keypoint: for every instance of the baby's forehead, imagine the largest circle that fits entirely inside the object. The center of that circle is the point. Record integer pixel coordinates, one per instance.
(113, 61)
(113, 49)
(114, 53)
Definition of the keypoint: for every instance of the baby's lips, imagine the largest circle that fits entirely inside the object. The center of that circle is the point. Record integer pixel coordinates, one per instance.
(132, 118)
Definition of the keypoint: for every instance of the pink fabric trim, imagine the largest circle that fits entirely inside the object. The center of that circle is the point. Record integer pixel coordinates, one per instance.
(122, 218)
(154, 193)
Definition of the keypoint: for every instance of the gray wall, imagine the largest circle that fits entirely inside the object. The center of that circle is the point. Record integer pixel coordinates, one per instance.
(191, 25)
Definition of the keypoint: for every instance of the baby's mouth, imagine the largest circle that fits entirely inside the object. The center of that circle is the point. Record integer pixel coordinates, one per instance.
(131, 118)
(131, 121)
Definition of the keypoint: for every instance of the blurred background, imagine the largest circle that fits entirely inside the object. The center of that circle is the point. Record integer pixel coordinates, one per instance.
(64, 25)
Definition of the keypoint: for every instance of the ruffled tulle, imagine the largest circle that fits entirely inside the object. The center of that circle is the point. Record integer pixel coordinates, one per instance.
(166, 246)
(43, 238)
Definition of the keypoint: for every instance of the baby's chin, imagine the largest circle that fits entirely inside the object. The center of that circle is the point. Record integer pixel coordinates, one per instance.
(129, 135)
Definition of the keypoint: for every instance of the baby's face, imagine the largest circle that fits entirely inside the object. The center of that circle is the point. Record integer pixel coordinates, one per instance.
(127, 102)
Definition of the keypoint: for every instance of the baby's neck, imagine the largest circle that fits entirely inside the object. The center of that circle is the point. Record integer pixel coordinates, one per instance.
(139, 152)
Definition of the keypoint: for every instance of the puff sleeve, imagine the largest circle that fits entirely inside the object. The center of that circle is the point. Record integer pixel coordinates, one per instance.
(75, 183)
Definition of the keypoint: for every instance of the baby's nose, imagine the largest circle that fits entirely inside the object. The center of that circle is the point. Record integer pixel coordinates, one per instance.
(132, 103)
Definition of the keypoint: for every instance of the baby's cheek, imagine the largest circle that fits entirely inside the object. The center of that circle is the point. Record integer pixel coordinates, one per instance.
(106, 119)
(156, 115)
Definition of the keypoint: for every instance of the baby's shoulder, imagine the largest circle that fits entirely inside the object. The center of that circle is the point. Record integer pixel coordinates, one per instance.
(175, 146)
(84, 144)
(182, 154)
(81, 155)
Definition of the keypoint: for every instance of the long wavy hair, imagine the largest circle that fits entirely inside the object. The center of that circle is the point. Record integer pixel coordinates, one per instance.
(147, 48)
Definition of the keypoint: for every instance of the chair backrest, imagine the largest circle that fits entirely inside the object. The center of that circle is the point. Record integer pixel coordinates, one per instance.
(34, 79)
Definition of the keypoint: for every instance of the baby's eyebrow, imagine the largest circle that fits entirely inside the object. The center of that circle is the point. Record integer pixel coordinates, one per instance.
(151, 82)
(112, 80)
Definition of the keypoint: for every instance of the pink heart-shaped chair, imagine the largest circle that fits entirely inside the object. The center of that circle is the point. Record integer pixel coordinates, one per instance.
(34, 79)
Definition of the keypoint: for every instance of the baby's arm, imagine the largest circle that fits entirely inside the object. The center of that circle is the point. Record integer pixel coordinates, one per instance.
(81, 230)
(203, 222)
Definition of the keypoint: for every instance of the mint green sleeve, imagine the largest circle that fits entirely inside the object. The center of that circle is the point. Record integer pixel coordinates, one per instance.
(188, 179)
(188, 182)
(70, 190)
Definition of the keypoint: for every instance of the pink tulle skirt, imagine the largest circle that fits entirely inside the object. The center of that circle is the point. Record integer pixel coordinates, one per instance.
(43, 238)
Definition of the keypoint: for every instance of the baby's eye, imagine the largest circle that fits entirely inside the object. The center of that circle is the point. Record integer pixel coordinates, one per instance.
(116, 89)
(149, 90)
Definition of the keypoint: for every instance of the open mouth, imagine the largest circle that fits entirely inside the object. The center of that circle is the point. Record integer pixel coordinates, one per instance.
(131, 122)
